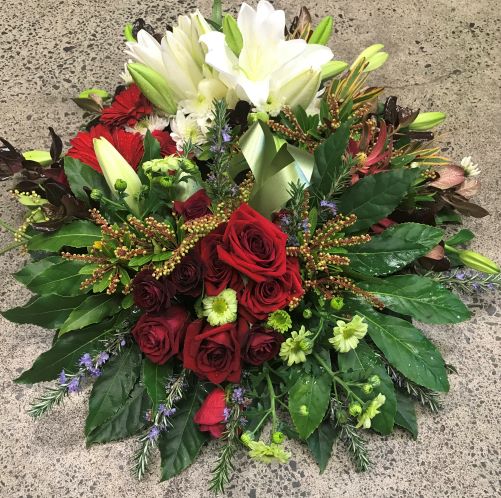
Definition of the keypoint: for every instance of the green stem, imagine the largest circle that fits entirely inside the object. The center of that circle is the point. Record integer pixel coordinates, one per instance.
(271, 392)
(320, 329)
(261, 422)
(451, 249)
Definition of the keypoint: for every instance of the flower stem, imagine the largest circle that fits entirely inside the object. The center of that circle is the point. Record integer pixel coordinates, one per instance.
(271, 391)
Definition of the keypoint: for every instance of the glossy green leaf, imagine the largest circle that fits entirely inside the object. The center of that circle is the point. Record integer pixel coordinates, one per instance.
(322, 32)
(232, 34)
(81, 175)
(92, 310)
(364, 360)
(394, 249)
(406, 414)
(155, 379)
(406, 348)
(49, 312)
(80, 233)
(376, 196)
(308, 402)
(419, 297)
(62, 279)
(126, 421)
(151, 148)
(180, 445)
(320, 443)
(66, 352)
(26, 274)
(113, 387)
(461, 237)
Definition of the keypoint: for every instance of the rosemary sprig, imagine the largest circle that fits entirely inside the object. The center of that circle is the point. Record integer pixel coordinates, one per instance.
(356, 446)
(52, 397)
(148, 441)
(466, 281)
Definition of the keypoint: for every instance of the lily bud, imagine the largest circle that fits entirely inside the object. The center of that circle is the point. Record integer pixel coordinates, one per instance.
(478, 262)
(41, 157)
(153, 85)
(373, 56)
(114, 168)
(301, 90)
(427, 121)
(332, 68)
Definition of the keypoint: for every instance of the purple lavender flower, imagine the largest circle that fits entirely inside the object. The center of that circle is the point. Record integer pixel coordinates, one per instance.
(216, 149)
(331, 206)
(226, 414)
(460, 276)
(226, 134)
(238, 395)
(243, 421)
(147, 415)
(102, 359)
(94, 372)
(234, 190)
(74, 385)
(122, 342)
(304, 224)
(166, 412)
(154, 433)
(62, 377)
(86, 361)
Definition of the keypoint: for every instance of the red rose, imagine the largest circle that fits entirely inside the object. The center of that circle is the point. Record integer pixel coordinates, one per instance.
(151, 294)
(262, 345)
(210, 416)
(213, 353)
(253, 245)
(258, 299)
(128, 107)
(160, 337)
(187, 276)
(217, 275)
(195, 206)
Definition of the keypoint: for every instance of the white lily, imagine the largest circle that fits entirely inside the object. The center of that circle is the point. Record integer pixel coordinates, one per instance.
(270, 71)
(114, 168)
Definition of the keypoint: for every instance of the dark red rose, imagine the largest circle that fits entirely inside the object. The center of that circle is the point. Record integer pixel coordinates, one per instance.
(213, 353)
(187, 276)
(253, 245)
(167, 144)
(195, 206)
(217, 275)
(160, 337)
(258, 299)
(262, 345)
(130, 145)
(128, 107)
(151, 294)
(210, 416)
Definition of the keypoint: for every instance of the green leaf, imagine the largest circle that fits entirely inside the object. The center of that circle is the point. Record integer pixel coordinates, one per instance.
(322, 32)
(406, 414)
(126, 421)
(320, 443)
(406, 348)
(66, 352)
(376, 196)
(232, 34)
(81, 175)
(151, 148)
(62, 279)
(394, 249)
(155, 379)
(217, 12)
(80, 233)
(112, 389)
(49, 312)
(180, 445)
(461, 237)
(308, 401)
(419, 297)
(329, 160)
(31, 270)
(92, 310)
(363, 360)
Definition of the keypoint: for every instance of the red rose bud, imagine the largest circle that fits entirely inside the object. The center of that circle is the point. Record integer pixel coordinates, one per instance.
(160, 337)
(151, 294)
(213, 353)
(195, 206)
(262, 345)
(258, 299)
(187, 276)
(217, 274)
(253, 245)
(211, 415)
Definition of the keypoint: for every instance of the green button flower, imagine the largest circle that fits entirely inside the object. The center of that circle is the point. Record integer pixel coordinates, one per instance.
(347, 335)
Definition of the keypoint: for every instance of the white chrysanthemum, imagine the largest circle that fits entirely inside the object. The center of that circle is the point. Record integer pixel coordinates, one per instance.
(470, 169)
(221, 309)
(187, 128)
(150, 123)
(126, 77)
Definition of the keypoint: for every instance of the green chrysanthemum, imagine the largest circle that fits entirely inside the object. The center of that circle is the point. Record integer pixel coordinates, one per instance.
(364, 420)
(347, 335)
(296, 347)
(280, 321)
(262, 452)
(222, 308)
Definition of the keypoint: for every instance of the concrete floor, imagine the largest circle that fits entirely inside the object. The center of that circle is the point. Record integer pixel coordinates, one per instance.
(444, 56)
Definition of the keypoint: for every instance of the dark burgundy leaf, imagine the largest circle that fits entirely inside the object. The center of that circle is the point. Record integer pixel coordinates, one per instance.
(10, 160)
(55, 191)
(56, 147)
(465, 207)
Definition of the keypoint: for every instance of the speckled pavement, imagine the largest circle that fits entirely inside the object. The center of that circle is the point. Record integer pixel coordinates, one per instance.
(444, 56)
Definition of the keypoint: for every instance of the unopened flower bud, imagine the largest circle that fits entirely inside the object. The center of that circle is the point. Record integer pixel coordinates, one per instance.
(278, 437)
(307, 314)
(342, 416)
(478, 262)
(367, 388)
(96, 194)
(374, 380)
(303, 410)
(165, 181)
(246, 437)
(427, 120)
(120, 185)
(337, 303)
(355, 409)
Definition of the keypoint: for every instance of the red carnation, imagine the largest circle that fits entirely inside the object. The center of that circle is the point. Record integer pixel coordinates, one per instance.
(130, 145)
(128, 107)
(210, 416)
(195, 206)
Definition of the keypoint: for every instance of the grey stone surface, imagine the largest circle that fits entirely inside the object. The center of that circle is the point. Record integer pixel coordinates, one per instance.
(444, 56)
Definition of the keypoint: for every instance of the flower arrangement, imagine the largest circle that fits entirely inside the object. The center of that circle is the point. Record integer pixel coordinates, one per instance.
(236, 244)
